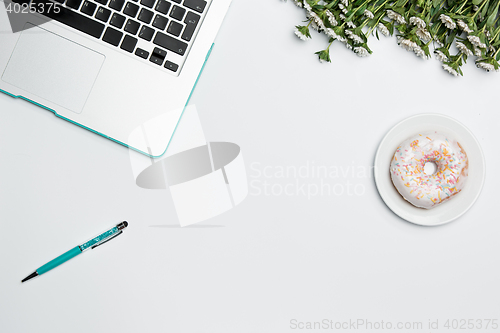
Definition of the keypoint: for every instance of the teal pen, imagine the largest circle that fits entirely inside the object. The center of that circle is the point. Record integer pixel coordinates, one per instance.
(90, 244)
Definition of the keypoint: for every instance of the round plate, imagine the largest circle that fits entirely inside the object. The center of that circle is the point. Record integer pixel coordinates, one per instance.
(447, 211)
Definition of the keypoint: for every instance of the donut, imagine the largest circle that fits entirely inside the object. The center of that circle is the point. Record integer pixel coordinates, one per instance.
(429, 190)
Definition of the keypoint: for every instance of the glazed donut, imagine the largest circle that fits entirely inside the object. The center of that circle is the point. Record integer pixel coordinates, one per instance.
(423, 190)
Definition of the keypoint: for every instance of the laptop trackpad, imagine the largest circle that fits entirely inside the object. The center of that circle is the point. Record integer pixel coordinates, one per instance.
(53, 68)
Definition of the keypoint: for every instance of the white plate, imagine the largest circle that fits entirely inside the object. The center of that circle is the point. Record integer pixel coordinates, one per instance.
(447, 211)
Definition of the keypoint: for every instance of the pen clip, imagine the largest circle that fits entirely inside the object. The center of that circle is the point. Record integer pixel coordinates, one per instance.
(107, 240)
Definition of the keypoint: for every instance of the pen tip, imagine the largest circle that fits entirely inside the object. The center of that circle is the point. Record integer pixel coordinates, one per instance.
(125, 223)
(29, 277)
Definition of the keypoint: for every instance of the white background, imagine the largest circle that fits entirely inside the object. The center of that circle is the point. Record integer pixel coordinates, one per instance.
(274, 258)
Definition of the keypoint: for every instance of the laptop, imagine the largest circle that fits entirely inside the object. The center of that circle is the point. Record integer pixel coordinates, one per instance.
(110, 66)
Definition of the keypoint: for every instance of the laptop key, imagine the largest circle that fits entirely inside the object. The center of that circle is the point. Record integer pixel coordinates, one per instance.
(177, 13)
(159, 52)
(175, 28)
(75, 4)
(163, 6)
(116, 5)
(117, 20)
(160, 22)
(191, 21)
(145, 16)
(103, 14)
(88, 8)
(148, 3)
(102, 2)
(112, 36)
(170, 43)
(156, 60)
(132, 27)
(198, 5)
(131, 9)
(72, 19)
(171, 66)
(129, 43)
(146, 33)
(177, 1)
(142, 53)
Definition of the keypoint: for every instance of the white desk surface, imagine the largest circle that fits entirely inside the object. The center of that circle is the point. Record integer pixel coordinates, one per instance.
(274, 258)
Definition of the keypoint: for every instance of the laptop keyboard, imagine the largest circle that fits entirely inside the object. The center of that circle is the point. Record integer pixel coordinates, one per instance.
(158, 31)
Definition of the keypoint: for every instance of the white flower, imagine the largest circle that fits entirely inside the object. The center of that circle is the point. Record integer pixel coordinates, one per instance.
(300, 34)
(418, 22)
(463, 26)
(450, 70)
(342, 17)
(368, 14)
(447, 21)
(392, 15)
(419, 52)
(475, 8)
(401, 19)
(307, 6)
(354, 37)
(331, 33)
(361, 51)
(438, 42)
(341, 6)
(423, 34)
(476, 41)
(348, 46)
(383, 29)
(395, 16)
(441, 56)
(407, 44)
(317, 23)
(486, 66)
(298, 3)
(477, 51)
(345, 2)
(463, 48)
(350, 24)
(331, 18)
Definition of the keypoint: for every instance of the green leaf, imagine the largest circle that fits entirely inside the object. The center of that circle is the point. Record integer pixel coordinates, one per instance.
(495, 5)
(485, 9)
(361, 10)
(477, 2)
(492, 18)
(436, 3)
(399, 10)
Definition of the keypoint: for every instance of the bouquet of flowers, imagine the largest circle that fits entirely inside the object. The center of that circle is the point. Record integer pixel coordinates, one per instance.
(457, 29)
